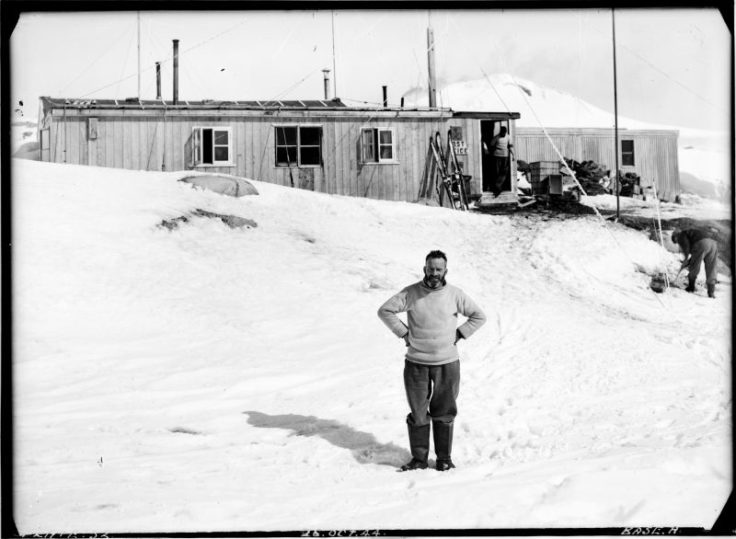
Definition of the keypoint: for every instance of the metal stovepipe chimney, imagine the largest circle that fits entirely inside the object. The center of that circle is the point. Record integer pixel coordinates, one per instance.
(327, 84)
(158, 81)
(176, 71)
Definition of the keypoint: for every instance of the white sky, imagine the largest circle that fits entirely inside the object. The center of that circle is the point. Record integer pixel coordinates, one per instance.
(673, 64)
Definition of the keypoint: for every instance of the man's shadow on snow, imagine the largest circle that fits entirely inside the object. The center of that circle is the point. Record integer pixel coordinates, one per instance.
(364, 446)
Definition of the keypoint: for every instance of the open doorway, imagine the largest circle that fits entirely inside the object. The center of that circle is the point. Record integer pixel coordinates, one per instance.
(496, 163)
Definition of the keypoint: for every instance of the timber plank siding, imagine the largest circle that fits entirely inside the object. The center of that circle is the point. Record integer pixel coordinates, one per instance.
(153, 135)
(655, 152)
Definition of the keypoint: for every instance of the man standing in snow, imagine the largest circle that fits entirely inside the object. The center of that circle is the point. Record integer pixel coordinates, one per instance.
(500, 146)
(698, 246)
(432, 366)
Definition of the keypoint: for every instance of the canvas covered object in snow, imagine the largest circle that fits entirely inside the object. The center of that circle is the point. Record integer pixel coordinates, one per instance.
(223, 184)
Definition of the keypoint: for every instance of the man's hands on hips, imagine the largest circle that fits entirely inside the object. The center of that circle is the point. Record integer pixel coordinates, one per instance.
(458, 336)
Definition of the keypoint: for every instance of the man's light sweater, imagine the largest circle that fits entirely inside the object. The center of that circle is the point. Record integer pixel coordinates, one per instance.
(432, 319)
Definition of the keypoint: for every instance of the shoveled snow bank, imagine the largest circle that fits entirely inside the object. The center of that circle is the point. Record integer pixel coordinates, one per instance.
(212, 379)
(689, 206)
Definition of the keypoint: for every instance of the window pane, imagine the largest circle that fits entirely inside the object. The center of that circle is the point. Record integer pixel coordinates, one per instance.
(207, 146)
(310, 155)
(310, 136)
(221, 137)
(386, 143)
(627, 153)
(286, 135)
(283, 159)
(197, 146)
(369, 150)
(221, 153)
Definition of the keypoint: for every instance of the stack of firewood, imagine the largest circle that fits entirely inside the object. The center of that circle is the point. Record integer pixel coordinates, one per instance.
(592, 177)
(523, 166)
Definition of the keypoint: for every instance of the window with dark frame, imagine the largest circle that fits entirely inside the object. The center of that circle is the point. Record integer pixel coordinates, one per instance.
(627, 153)
(298, 145)
(377, 145)
(211, 146)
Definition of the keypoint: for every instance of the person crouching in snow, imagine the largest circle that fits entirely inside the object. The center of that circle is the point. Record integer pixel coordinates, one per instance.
(698, 246)
(432, 362)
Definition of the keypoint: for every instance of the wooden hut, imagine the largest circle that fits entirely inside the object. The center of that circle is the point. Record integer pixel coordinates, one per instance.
(652, 154)
(321, 145)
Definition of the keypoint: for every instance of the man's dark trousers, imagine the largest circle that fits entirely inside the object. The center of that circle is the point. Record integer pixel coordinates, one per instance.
(501, 168)
(705, 250)
(432, 394)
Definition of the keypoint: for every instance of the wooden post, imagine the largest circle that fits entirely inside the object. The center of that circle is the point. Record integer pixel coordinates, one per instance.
(432, 80)
(138, 16)
(334, 68)
(615, 111)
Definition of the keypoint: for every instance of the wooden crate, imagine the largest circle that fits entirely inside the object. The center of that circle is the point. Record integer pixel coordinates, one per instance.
(545, 175)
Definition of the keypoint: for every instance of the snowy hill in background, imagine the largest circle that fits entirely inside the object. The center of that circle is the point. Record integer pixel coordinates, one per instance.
(503, 92)
(205, 378)
(22, 132)
(703, 155)
(24, 139)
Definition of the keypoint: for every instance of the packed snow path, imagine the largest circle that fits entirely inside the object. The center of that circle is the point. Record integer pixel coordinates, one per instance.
(208, 378)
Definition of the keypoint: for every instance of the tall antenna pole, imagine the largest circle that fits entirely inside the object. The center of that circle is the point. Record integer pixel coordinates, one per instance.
(615, 110)
(334, 71)
(138, 13)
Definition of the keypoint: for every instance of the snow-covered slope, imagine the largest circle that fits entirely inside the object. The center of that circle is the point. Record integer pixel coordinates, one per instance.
(535, 103)
(22, 132)
(209, 379)
(703, 154)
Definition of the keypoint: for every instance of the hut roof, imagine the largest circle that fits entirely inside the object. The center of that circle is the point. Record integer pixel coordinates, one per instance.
(205, 104)
(307, 105)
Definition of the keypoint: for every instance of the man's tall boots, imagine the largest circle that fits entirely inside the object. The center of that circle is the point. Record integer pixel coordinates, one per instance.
(443, 444)
(419, 445)
(690, 284)
(711, 290)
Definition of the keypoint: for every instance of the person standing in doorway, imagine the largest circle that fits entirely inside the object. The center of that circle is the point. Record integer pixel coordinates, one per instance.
(432, 363)
(500, 147)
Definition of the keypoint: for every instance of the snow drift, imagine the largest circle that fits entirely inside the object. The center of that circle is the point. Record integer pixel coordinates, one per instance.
(209, 378)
